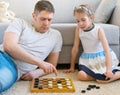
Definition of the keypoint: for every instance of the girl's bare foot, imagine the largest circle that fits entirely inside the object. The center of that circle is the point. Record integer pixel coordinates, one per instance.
(103, 81)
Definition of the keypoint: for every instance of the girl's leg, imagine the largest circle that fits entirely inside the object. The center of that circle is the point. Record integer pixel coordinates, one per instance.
(116, 76)
(8, 72)
(84, 76)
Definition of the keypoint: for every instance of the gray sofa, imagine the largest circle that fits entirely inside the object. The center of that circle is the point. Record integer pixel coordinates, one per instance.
(106, 15)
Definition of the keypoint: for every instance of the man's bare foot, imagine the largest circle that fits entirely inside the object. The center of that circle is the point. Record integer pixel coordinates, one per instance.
(33, 74)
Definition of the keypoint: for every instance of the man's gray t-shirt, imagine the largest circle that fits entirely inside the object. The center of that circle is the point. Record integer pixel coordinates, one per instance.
(35, 43)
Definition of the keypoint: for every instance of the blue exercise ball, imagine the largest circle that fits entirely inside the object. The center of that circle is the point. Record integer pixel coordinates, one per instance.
(8, 72)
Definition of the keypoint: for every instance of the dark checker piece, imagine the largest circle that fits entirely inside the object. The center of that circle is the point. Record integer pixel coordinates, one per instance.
(83, 91)
(58, 81)
(97, 87)
(36, 79)
(88, 88)
(91, 86)
(40, 87)
(36, 83)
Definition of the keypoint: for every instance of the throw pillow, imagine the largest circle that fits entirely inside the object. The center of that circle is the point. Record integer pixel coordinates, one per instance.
(104, 11)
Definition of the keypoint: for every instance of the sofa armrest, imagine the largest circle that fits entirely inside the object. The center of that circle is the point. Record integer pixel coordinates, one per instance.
(115, 16)
(3, 27)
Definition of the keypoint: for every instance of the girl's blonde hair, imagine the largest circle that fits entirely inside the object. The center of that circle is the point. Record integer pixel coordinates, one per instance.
(84, 9)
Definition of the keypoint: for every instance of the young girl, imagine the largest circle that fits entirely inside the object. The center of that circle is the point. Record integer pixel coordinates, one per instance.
(97, 62)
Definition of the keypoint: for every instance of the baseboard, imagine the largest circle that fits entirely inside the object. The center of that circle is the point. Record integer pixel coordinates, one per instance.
(65, 66)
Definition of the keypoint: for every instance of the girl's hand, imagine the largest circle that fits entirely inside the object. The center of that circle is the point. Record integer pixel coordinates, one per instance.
(69, 71)
(108, 75)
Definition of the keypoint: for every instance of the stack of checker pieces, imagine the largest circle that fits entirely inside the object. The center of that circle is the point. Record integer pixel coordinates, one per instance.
(59, 85)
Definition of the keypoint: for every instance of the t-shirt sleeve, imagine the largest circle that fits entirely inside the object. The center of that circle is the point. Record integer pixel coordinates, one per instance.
(16, 26)
(58, 45)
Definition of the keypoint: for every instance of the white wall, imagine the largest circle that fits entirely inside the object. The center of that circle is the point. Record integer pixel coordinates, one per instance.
(118, 1)
(22, 8)
(63, 8)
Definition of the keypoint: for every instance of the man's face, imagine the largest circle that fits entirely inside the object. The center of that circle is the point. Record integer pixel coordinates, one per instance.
(42, 21)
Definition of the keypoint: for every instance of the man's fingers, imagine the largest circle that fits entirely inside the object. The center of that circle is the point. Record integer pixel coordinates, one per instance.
(55, 71)
(50, 69)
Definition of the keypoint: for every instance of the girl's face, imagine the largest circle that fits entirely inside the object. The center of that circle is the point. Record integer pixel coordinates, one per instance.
(83, 20)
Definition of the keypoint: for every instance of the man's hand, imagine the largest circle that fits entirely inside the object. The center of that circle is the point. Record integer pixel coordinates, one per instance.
(49, 68)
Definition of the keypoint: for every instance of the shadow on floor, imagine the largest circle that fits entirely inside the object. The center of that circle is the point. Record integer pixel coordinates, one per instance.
(65, 66)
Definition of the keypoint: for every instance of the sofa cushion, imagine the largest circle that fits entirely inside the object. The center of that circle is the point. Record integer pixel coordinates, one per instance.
(104, 10)
(116, 15)
(67, 31)
(112, 33)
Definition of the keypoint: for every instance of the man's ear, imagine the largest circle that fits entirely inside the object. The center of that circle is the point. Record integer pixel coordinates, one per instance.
(34, 15)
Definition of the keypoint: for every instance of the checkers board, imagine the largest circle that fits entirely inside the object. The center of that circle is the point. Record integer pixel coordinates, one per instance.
(59, 85)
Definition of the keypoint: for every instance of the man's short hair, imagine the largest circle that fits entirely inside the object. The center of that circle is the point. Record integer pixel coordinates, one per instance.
(43, 5)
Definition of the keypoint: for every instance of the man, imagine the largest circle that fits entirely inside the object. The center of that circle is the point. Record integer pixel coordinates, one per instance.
(31, 44)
